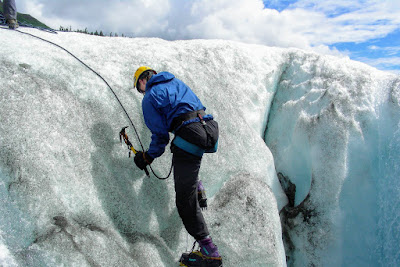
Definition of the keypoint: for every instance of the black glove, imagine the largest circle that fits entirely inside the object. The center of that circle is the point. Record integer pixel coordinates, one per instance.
(142, 160)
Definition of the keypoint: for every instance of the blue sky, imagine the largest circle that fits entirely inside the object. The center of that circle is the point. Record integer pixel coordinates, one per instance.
(382, 51)
(364, 30)
(278, 5)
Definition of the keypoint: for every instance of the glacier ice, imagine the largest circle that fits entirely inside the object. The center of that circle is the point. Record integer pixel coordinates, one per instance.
(329, 131)
(72, 197)
(64, 169)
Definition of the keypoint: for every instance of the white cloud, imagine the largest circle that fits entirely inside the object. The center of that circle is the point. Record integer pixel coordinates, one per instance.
(143, 18)
(388, 50)
(40, 10)
(388, 63)
(349, 21)
(306, 24)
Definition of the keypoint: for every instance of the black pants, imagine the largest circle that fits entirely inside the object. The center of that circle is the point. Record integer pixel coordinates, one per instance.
(9, 9)
(186, 171)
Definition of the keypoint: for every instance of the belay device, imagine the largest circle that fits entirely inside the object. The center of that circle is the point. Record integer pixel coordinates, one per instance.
(123, 135)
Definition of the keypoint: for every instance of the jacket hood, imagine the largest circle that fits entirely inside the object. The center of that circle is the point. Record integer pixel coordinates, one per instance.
(159, 78)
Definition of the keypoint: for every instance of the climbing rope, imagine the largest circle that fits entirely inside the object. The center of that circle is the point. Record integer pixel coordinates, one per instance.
(113, 92)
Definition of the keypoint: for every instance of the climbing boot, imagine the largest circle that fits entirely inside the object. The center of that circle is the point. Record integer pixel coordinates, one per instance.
(208, 256)
(208, 249)
(12, 24)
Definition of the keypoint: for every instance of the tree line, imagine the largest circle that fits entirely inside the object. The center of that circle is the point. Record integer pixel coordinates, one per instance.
(85, 31)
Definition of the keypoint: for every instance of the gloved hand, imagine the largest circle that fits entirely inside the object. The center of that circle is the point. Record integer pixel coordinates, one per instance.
(142, 159)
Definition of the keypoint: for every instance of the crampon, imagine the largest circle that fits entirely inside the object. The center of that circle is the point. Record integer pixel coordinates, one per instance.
(197, 259)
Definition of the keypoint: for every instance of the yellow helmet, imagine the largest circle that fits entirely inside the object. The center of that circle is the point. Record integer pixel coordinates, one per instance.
(139, 72)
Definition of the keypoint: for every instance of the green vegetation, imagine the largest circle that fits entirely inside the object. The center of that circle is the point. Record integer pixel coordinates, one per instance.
(98, 33)
(28, 19)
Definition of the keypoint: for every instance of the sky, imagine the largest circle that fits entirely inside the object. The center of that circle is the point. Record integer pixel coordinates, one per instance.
(363, 30)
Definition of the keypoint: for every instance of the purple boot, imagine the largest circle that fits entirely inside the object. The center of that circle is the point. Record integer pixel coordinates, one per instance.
(208, 249)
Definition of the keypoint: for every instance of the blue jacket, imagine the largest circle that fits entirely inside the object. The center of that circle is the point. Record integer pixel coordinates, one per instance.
(166, 98)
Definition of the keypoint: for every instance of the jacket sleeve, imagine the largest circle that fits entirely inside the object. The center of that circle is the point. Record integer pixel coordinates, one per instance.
(157, 124)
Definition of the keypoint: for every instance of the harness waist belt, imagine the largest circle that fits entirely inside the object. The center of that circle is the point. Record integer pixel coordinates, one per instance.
(176, 122)
(191, 148)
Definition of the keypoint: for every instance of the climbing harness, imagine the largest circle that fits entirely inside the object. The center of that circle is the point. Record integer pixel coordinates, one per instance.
(115, 95)
(188, 118)
(2, 19)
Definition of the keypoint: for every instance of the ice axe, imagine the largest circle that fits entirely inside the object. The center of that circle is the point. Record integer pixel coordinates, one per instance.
(123, 135)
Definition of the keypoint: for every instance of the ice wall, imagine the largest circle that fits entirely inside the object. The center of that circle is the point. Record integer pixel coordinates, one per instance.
(71, 196)
(333, 131)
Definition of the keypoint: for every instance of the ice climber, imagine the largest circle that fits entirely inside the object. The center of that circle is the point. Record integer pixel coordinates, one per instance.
(10, 13)
(169, 105)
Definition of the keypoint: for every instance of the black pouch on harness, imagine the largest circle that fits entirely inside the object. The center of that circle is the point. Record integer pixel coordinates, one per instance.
(211, 128)
(204, 135)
